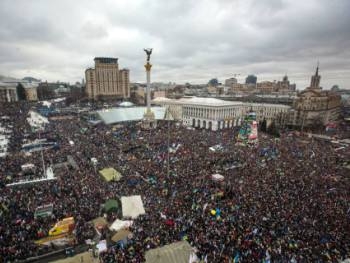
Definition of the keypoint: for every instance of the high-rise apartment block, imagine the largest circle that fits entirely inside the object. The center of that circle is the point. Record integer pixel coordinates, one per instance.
(230, 82)
(107, 80)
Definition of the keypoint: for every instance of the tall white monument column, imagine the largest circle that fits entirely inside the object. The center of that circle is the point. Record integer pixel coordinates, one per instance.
(148, 74)
(149, 120)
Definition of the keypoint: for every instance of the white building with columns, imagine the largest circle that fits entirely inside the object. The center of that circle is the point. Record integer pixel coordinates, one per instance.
(215, 114)
(8, 92)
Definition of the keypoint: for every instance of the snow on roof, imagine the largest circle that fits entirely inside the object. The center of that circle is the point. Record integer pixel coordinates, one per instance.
(29, 85)
(161, 99)
(213, 102)
(199, 101)
(8, 85)
(271, 105)
(126, 104)
(115, 115)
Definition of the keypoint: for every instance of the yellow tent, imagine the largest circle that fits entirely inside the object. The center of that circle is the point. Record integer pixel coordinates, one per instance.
(121, 235)
(99, 222)
(110, 174)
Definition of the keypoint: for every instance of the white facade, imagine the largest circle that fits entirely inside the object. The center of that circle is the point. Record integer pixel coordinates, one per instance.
(215, 114)
(8, 92)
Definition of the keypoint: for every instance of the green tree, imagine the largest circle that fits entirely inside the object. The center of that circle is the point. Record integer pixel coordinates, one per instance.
(21, 93)
(273, 130)
(263, 126)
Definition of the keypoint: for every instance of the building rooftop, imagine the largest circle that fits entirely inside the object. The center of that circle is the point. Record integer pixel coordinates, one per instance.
(267, 105)
(115, 115)
(198, 101)
(106, 60)
(9, 79)
(8, 85)
(126, 104)
(30, 85)
(214, 102)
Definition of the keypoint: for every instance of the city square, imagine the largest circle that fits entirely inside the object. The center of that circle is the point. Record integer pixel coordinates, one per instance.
(174, 131)
(281, 199)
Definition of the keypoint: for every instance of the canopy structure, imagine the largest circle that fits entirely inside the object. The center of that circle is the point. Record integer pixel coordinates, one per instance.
(120, 224)
(121, 235)
(126, 104)
(179, 252)
(110, 205)
(132, 206)
(102, 246)
(126, 114)
(110, 174)
(217, 177)
(99, 222)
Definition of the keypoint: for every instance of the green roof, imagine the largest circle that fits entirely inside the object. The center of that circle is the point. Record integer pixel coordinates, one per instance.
(111, 204)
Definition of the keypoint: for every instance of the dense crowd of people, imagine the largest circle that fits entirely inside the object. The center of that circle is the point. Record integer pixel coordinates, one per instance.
(284, 199)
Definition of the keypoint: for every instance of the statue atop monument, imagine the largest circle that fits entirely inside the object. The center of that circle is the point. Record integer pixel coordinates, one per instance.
(148, 52)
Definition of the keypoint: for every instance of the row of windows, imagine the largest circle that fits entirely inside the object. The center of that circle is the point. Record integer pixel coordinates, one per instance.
(209, 113)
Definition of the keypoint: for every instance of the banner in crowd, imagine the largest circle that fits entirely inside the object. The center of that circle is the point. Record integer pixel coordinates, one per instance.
(249, 129)
(253, 131)
(43, 211)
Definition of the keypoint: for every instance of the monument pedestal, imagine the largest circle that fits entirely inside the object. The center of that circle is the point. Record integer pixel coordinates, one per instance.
(149, 121)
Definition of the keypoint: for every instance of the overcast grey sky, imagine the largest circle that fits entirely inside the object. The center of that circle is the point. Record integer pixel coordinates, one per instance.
(193, 41)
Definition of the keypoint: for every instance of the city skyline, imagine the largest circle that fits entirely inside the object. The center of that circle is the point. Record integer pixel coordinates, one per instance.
(193, 41)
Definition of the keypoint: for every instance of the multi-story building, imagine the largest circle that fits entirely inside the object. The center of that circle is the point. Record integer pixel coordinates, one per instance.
(237, 88)
(211, 90)
(215, 114)
(107, 80)
(30, 91)
(230, 82)
(9, 89)
(266, 87)
(284, 86)
(159, 93)
(315, 106)
(124, 82)
(8, 92)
